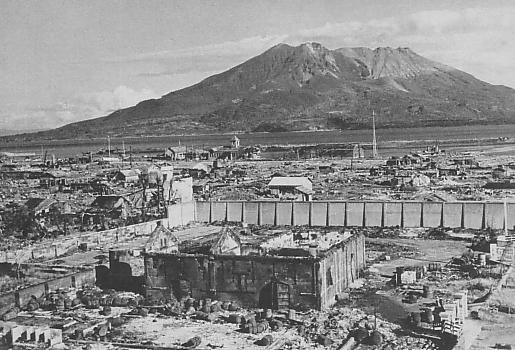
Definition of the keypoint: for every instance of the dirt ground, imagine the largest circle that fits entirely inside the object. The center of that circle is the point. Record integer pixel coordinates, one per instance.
(497, 327)
(424, 252)
(172, 332)
(494, 329)
(377, 293)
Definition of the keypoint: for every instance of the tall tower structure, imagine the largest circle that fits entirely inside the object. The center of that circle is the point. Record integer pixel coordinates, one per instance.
(367, 96)
(374, 141)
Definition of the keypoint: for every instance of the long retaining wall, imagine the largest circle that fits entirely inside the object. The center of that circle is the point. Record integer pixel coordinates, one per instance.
(473, 215)
(21, 296)
(178, 215)
(62, 245)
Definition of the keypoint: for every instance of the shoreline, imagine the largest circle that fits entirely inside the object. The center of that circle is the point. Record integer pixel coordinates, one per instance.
(400, 138)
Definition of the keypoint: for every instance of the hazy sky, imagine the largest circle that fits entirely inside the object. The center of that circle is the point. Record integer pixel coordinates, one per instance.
(63, 61)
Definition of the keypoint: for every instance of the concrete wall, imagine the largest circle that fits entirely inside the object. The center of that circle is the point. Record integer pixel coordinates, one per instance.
(267, 213)
(340, 268)
(412, 214)
(355, 213)
(374, 214)
(235, 211)
(432, 214)
(229, 277)
(51, 249)
(284, 213)
(180, 214)
(474, 215)
(494, 215)
(22, 296)
(247, 279)
(452, 214)
(251, 212)
(336, 213)
(301, 213)
(318, 214)
(392, 214)
(510, 211)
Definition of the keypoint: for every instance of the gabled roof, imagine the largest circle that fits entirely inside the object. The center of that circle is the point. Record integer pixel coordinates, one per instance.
(38, 204)
(109, 202)
(290, 181)
(157, 236)
(130, 172)
(200, 166)
(228, 242)
(304, 190)
(177, 149)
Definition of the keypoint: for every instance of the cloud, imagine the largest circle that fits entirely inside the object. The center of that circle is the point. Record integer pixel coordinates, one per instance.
(476, 40)
(81, 107)
(194, 65)
(37, 119)
(423, 24)
(464, 38)
(120, 97)
(223, 49)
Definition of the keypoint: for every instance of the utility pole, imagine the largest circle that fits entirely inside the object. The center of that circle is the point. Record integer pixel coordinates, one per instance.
(374, 141)
(506, 216)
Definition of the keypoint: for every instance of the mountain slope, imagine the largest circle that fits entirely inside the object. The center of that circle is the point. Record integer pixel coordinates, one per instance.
(311, 87)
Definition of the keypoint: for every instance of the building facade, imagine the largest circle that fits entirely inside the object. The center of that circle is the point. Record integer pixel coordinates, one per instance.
(284, 279)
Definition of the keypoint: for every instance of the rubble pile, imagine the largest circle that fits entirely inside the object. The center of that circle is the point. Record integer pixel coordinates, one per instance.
(90, 314)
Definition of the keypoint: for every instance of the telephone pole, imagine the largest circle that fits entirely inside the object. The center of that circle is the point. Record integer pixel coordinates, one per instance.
(374, 141)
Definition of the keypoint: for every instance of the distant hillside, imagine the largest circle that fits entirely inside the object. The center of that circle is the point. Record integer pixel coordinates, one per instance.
(309, 87)
(6, 132)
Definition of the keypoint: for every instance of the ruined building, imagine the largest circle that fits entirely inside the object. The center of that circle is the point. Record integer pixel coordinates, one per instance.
(269, 269)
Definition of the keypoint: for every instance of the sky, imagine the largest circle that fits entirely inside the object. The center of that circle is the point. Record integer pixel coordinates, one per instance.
(63, 61)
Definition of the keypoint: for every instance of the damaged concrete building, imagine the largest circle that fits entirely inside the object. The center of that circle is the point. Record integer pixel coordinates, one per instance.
(276, 269)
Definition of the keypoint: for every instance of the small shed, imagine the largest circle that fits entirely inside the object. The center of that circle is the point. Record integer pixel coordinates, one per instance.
(40, 206)
(129, 176)
(299, 186)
